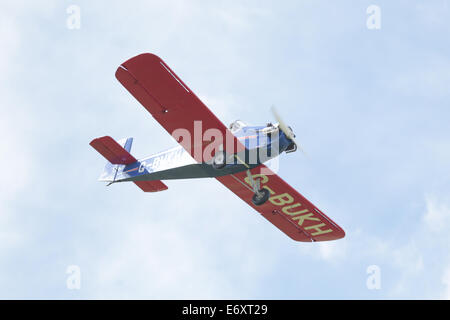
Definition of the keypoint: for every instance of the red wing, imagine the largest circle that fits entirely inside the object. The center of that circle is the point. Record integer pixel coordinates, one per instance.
(172, 103)
(286, 208)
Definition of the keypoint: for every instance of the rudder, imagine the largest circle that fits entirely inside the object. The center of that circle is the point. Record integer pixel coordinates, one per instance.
(117, 154)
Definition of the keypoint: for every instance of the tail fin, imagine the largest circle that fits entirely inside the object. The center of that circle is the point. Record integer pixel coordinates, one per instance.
(117, 154)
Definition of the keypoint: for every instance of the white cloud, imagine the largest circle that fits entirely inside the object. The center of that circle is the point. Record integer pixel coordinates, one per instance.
(153, 261)
(333, 250)
(408, 260)
(409, 264)
(437, 216)
(437, 219)
(202, 249)
(15, 127)
(446, 282)
(17, 175)
(419, 261)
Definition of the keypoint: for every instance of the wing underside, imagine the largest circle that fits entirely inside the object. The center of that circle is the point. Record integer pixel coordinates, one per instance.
(286, 208)
(169, 100)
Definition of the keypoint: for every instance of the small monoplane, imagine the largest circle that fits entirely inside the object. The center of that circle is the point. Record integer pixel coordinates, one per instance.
(233, 155)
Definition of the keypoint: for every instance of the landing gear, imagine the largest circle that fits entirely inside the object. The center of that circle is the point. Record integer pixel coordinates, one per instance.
(261, 194)
(260, 197)
(219, 160)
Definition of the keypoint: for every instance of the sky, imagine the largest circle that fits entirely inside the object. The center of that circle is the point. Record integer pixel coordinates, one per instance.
(369, 106)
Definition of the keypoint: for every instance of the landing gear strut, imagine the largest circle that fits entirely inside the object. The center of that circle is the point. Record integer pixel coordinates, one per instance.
(219, 160)
(261, 194)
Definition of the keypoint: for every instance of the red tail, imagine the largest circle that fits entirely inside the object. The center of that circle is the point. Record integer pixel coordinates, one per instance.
(112, 151)
(116, 154)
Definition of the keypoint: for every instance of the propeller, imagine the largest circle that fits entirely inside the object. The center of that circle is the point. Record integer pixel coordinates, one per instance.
(286, 130)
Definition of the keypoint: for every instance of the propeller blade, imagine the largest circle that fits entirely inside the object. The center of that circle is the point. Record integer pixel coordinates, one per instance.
(282, 125)
(287, 131)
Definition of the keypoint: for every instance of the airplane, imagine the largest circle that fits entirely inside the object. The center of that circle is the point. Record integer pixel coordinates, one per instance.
(235, 155)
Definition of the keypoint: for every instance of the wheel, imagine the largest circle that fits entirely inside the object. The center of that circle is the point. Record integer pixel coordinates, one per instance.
(219, 160)
(261, 197)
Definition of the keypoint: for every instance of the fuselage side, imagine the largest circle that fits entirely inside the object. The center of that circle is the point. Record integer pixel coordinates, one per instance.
(262, 144)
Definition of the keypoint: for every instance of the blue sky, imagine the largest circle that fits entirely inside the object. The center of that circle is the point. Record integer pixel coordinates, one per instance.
(370, 107)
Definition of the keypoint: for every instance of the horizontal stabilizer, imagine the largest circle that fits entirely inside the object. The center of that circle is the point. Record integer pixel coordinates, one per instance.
(112, 151)
(151, 186)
